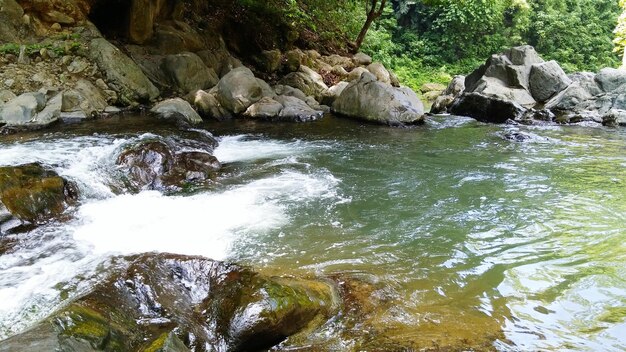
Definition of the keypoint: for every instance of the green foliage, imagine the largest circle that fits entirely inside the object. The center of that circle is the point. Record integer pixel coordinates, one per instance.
(57, 48)
(578, 34)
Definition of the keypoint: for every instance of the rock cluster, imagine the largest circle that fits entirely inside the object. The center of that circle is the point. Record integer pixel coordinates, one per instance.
(519, 85)
(163, 302)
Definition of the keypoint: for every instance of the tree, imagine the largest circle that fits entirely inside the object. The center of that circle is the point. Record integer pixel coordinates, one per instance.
(620, 33)
(374, 9)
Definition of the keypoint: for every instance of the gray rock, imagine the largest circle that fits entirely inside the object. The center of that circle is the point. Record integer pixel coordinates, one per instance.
(334, 92)
(308, 81)
(187, 72)
(334, 60)
(239, 89)
(454, 90)
(122, 73)
(297, 110)
(361, 59)
(609, 79)
(209, 107)
(356, 74)
(267, 91)
(373, 101)
(546, 80)
(178, 110)
(6, 95)
(51, 113)
(381, 73)
(587, 80)
(265, 108)
(23, 109)
(487, 108)
(614, 118)
(290, 91)
(571, 98)
(73, 116)
(497, 88)
(523, 55)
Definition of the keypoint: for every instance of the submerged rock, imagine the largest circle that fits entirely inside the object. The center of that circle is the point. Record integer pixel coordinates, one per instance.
(34, 194)
(167, 163)
(370, 100)
(178, 303)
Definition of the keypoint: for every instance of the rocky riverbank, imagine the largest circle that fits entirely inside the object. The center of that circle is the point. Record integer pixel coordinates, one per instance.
(57, 65)
(519, 86)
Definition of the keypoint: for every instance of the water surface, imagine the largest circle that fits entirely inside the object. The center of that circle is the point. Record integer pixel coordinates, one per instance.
(469, 239)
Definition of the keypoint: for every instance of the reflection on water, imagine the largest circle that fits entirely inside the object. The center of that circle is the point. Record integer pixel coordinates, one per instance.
(462, 239)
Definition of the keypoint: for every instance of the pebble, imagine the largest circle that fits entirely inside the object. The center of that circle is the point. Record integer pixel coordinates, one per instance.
(101, 84)
(9, 83)
(56, 27)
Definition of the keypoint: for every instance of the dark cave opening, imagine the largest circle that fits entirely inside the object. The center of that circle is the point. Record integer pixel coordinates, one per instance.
(111, 18)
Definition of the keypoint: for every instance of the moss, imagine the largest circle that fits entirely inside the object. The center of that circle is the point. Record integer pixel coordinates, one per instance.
(84, 323)
(156, 345)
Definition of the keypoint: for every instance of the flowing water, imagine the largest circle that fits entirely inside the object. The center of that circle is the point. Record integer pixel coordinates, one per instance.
(470, 239)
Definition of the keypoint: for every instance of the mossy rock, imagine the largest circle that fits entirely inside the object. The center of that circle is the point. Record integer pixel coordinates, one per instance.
(164, 302)
(32, 193)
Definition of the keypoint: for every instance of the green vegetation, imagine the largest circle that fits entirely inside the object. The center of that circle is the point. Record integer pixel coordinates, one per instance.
(432, 40)
(66, 47)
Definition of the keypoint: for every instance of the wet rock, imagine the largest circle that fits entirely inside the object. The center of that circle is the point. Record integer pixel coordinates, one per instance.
(187, 72)
(614, 118)
(34, 194)
(165, 164)
(122, 73)
(238, 90)
(373, 101)
(486, 109)
(297, 110)
(547, 79)
(187, 303)
(176, 110)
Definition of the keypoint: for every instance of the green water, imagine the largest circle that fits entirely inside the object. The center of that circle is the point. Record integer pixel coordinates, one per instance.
(451, 237)
(472, 240)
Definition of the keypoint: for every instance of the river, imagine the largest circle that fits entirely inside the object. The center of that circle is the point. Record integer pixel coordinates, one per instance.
(470, 239)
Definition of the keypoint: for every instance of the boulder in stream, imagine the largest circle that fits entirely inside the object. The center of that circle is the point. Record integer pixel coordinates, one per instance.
(35, 194)
(370, 100)
(166, 163)
(165, 302)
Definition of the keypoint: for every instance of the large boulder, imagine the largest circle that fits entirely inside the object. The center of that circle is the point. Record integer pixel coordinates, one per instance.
(10, 21)
(166, 164)
(187, 72)
(547, 79)
(23, 109)
(166, 302)
(308, 81)
(122, 73)
(524, 55)
(208, 106)
(177, 110)
(370, 100)
(238, 89)
(266, 108)
(487, 108)
(33, 193)
(297, 110)
(610, 79)
(445, 100)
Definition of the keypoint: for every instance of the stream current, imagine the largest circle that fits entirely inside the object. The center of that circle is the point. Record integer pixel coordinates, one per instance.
(474, 240)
